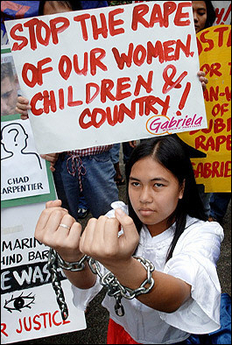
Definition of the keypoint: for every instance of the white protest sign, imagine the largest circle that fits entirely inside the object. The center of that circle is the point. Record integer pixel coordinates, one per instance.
(29, 308)
(223, 12)
(110, 74)
(18, 150)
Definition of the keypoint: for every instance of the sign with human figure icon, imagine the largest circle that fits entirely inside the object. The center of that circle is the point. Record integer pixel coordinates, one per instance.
(29, 308)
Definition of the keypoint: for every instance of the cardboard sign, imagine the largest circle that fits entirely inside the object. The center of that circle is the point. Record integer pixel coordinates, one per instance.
(9, 83)
(214, 171)
(29, 307)
(109, 75)
(25, 176)
(223, 12)
(18, 150)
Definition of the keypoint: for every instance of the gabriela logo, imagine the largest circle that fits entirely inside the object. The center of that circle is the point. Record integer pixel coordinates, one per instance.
(160, 124)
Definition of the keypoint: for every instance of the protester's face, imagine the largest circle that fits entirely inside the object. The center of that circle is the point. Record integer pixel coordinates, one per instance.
(154, 193)
(199, 15)
(9, 95)
(56, 7)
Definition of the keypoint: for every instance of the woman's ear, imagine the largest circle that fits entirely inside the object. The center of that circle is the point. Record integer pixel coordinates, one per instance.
(181, 194)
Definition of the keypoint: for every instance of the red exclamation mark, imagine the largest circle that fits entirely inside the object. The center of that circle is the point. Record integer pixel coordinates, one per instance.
(184, 98)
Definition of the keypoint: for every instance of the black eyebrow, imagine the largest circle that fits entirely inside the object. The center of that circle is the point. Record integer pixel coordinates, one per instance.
(201, 8)
(154, 179)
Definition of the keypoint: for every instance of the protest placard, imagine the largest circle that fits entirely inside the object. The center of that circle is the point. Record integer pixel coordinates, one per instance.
(24, 173)
(214, 171)
(109, 75)
(9, 83)
(29, 308)
(223, 12)
(25, 176)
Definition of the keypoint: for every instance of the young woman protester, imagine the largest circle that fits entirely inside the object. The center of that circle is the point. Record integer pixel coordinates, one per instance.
(157, 256)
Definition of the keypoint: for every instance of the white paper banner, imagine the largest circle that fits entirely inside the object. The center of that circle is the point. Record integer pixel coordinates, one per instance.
(109, 75)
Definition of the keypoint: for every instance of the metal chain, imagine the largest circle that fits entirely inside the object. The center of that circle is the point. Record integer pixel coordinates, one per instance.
(111, 283)
(52, 267)
(72, 266)
(149, 267)
(108, 280)
(116, 290)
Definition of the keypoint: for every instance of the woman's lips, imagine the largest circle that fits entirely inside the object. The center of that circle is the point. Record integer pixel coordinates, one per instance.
(146, 212)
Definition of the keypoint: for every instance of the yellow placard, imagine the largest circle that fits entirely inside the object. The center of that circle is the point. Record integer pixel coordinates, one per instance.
(214, 171)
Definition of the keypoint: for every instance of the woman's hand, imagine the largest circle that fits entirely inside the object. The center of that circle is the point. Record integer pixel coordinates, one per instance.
(22, 107)
(100, 240)
(202, 79)
(50, 231)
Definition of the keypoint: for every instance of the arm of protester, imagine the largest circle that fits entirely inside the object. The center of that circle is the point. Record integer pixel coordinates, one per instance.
(64, 241)
(132, 143)
(52, 158)
(203, 79)
(22, 107)
(100, 240)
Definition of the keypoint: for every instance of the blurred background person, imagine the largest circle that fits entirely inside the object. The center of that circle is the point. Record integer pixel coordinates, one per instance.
(9, 89)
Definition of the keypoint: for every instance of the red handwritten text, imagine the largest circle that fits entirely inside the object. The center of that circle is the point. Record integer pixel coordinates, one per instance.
(35, 27)
(206, 44)
(214, 169)
(181, 18)
(38, 321)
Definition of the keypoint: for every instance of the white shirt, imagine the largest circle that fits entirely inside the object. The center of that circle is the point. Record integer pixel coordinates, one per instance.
(194, 261)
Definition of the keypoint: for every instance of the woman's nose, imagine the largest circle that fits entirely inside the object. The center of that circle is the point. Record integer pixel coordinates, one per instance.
(195, 17)
(145, 196)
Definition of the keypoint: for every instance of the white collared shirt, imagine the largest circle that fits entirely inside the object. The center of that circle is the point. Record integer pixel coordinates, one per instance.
(194, 261)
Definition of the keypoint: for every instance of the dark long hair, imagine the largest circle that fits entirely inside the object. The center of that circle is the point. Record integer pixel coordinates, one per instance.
(211, 14)
(72, 5)
(173, 155)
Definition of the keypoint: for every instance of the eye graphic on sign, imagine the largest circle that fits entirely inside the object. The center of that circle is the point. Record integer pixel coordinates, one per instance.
(20, 302)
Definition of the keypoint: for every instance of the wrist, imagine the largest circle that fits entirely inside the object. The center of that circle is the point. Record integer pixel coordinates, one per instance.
(130, 273)
(70, 257)
(73, 266)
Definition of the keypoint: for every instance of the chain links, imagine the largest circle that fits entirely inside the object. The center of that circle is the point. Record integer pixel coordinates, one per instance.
(108, 280)
(52, 267)
(118, 291)
(72, 266)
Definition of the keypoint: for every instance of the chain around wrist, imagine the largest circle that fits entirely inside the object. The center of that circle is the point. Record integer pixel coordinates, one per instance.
(71, 266)
(149, 267)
